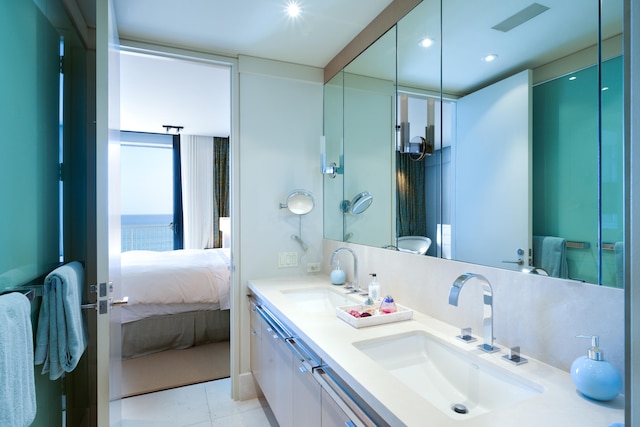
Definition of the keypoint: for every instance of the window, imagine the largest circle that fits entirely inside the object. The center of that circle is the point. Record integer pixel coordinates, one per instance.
(146, 164)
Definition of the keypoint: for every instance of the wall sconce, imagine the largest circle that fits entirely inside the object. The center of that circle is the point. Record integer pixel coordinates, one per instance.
(331, 169)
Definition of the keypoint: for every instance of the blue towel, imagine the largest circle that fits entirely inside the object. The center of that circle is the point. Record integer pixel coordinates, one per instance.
(61, 338)
(550, 253)
(17, 387)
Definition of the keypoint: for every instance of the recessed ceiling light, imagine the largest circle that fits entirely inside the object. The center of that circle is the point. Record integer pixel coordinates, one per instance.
(605, 88)
(490, 57)
(426, 42)
(572, 78)
(293, 9)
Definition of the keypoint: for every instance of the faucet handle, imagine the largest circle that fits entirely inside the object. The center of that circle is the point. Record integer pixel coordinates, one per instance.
(488, 348)
(513, 356)
(465, 335)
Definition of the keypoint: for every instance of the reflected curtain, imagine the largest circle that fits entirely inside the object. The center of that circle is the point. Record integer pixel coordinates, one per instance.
(411, 219)
(178, 241)
(221, 184)
(197, 191)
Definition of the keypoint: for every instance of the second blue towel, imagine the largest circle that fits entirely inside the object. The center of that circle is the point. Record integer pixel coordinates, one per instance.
(61, 338)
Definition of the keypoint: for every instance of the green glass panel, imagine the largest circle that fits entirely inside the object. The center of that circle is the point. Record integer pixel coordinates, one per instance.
(565, 166)
(29, 90)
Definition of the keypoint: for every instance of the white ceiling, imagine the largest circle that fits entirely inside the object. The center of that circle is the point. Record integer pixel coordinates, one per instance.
(158, 91)
(249, 27)
(466, 35)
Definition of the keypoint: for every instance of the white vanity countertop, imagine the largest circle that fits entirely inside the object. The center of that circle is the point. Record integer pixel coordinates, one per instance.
(332, 339)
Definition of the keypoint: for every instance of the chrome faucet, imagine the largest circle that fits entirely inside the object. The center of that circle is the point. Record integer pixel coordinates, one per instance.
(487, 321)
(356, 288)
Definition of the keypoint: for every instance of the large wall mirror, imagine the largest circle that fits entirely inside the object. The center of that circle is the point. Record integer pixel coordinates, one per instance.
(490, 129)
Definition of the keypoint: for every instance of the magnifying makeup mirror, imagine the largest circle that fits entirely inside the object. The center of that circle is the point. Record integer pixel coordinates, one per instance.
(358, 204)
(299, 202)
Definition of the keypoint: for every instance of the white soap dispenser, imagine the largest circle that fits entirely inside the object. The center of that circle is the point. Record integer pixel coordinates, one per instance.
(593, 376)
(374, 288)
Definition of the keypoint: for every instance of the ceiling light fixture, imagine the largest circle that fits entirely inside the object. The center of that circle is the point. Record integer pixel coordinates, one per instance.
(426, 42)
(169, 128)
(489, 58)
(293, 9)
(572, 78)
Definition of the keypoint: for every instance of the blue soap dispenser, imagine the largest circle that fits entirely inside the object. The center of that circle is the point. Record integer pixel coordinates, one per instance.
(338, 276)
(593, 376)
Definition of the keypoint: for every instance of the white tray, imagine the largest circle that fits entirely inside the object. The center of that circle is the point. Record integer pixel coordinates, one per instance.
(403, 313)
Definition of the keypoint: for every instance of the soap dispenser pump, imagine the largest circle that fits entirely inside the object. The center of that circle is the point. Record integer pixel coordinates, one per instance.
(593, 376)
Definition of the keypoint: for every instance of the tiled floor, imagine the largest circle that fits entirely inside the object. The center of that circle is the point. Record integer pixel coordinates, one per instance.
(198, 405)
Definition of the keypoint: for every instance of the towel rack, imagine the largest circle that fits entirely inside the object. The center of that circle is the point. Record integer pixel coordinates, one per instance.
(577, 245)
(35, 287)
(29, 293)
(587, 245)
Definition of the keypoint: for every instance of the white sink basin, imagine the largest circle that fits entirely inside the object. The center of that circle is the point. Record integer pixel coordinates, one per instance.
(320, 299)
(446, 376)
(415, 244)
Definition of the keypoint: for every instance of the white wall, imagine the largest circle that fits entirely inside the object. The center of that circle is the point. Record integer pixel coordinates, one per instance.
(280, 110)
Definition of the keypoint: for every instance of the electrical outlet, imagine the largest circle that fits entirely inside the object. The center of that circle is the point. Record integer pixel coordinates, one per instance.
(313, 267)
(287, 259)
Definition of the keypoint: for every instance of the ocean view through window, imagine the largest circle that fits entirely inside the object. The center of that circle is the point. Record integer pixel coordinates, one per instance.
(147, 232)
(146, 192)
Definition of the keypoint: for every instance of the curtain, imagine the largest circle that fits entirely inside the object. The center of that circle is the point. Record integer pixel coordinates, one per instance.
(412, 210)
(221, 184)
(178, 240)
(196, 154)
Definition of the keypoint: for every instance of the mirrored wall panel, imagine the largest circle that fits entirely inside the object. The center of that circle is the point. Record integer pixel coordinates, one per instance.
(504, 143)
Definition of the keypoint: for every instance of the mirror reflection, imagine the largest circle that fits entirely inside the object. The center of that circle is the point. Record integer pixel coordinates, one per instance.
(511, 160)
(358, 204)
(369, 94)
(414, 244)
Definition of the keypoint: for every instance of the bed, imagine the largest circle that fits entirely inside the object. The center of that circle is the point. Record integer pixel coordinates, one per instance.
(177, 299)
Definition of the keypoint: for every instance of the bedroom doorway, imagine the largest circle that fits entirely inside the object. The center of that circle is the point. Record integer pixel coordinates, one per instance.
(165, 98)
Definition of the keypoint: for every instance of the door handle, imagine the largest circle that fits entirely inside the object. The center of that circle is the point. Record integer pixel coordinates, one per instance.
(118, 303)
(112, 303)
(519, 261)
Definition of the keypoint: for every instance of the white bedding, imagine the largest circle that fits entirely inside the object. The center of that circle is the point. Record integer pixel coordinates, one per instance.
(189, 276)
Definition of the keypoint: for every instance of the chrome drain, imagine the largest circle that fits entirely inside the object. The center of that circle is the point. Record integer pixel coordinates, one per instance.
(459, 408)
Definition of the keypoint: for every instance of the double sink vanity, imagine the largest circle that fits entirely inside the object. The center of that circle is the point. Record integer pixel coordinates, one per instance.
(415, 372)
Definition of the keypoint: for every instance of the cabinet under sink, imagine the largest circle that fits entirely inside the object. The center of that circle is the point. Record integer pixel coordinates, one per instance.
(299, 388)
